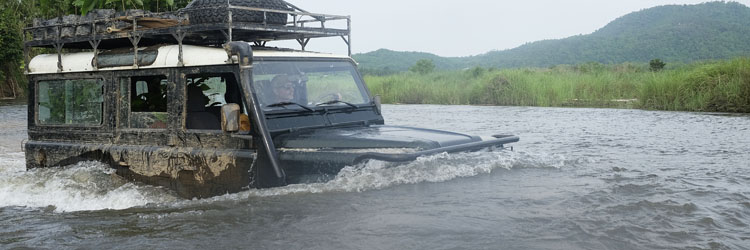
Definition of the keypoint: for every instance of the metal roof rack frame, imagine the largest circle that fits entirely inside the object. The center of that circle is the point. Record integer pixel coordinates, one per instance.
(303, 27)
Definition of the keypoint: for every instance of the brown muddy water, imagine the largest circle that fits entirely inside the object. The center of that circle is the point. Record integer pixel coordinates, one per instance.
(578, 179)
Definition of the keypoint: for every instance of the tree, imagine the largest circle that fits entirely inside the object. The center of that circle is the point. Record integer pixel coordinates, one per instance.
(11, 55)
(656, 65)
(153, 5)
(423, 66)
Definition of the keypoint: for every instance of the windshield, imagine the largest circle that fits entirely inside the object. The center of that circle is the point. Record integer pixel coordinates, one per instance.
(302, 84)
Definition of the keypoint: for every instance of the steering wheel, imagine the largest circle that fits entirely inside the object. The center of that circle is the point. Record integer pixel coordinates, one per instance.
(328, 97)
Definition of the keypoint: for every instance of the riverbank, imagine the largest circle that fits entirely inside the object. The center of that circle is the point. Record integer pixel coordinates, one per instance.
(717, 86)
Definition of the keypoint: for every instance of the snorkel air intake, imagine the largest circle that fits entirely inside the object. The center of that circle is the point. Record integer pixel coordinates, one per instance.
(268, 173)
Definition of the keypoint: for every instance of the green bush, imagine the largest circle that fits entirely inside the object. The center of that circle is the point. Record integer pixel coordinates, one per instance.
(656, 65)
(423, 66)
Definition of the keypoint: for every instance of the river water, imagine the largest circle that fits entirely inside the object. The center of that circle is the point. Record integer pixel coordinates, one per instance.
(578, 179)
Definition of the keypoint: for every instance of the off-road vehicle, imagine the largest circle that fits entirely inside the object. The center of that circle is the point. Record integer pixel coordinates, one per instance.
(194, 101)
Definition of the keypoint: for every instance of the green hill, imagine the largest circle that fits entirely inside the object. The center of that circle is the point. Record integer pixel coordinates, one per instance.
(673, 33)
(385, 61)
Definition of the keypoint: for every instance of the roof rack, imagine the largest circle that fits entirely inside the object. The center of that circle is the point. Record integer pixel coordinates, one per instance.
(137, 28)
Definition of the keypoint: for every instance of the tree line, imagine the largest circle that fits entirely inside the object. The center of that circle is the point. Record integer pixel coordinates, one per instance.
(17, 14)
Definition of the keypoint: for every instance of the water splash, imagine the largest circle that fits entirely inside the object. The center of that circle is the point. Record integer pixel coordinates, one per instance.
(374, 175)
(79, 187)
(94, 186)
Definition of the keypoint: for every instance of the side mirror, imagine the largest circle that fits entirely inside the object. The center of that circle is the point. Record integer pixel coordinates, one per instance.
(376, 100)
(230, 117)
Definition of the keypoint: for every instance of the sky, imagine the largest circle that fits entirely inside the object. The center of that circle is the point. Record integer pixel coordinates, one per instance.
(466, 27)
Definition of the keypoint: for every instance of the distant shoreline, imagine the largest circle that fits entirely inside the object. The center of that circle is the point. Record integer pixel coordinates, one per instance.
(717, 86)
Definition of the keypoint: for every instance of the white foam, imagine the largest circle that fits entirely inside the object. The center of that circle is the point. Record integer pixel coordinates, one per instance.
(94, 186)
(83, 186)
(373, 175)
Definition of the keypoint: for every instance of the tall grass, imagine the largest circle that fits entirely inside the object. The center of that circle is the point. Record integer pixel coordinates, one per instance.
(714, 86)
(718, 86)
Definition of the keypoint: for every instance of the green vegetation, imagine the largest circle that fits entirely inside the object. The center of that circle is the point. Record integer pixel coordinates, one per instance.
(423, 66)
(12, 82)
(722, 86)
(656, 65)
(673, 33)
(15, 14)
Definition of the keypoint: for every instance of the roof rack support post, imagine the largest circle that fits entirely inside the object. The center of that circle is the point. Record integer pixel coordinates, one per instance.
(303, 42)
(58, 47)
(347, 45)
(229, 36)
(349, 34)
(135, 38)
(179, 35)
(226, 35)
(26, 53)
(95, 45)
(229, 22)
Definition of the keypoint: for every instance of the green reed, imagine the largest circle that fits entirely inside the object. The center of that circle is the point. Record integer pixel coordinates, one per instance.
(706, 86)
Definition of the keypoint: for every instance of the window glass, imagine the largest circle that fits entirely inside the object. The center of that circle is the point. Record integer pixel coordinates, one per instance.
(206, 93)
(148, 94)
(70, 102)
(334, 84)
(213, 87)
(309, 83)
(148, 102)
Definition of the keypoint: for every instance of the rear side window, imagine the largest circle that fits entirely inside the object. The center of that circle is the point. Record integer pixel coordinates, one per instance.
(148, 94)
(144, 100)
(70, 102)
(206, 93)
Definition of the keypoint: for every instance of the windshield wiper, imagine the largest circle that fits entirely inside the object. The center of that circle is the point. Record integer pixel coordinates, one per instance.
(336, 101)
(284, 104)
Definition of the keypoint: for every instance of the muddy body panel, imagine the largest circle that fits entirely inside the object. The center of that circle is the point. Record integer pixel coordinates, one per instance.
(192, 171)
(138, 125)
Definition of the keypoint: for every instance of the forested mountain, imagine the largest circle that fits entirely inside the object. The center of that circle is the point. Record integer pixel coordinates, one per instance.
(672, 33)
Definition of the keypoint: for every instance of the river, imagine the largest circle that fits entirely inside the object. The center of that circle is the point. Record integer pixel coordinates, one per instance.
(578, 179)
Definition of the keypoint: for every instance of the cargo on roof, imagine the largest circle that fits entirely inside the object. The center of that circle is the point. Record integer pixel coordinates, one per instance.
(204, 23)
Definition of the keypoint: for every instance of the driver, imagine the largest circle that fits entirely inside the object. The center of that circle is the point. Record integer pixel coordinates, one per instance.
(283, 88)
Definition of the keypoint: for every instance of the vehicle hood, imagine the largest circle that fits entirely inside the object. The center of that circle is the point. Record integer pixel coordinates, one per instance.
(378, 136)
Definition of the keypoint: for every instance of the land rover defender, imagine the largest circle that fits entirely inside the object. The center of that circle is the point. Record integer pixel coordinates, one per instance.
(204, 108)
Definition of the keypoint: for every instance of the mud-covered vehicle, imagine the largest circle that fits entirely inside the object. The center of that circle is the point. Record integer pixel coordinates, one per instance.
(205, 108)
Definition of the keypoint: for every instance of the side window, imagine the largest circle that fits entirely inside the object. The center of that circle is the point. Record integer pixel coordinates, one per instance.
(148, 94)
(206, 93)
(70, 102)
(148, 101)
